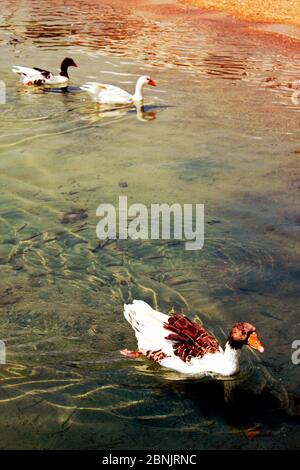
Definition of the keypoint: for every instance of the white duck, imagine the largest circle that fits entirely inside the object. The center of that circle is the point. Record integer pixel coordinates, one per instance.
(112, 95)
(179, 344)
(39, 77)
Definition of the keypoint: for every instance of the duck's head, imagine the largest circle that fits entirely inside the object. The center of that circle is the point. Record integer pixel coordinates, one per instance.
(244, 334)
(146, 80)
(66, 63)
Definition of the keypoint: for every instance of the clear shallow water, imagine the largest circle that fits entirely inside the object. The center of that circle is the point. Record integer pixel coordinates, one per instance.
(220, 129)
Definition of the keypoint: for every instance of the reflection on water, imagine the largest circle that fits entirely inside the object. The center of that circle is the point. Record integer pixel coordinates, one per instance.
(94, 112)
(220, 129)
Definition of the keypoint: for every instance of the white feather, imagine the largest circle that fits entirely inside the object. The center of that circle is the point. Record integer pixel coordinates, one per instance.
(148, 325)
(113, 95)
(107, 94)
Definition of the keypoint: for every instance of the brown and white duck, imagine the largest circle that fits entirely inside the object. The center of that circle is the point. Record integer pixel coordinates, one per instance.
(40, 77)
(177, 343)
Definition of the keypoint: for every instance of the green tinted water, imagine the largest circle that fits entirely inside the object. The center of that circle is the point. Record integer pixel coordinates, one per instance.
(214, 132)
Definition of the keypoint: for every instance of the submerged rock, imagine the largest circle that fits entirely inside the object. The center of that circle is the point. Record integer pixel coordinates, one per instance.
(74, 215)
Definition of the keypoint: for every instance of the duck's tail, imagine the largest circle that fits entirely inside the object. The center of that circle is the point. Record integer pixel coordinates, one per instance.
(135, 313)
(147, 324)
(93, 87)
(17, 69)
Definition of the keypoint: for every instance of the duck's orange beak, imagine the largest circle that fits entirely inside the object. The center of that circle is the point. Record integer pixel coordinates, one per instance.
(151, 82)
(254, 343)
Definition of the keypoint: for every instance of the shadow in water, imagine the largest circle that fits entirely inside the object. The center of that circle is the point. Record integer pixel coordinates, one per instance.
(253, 401)
(65, 89)
(261, 413)
(143, 113)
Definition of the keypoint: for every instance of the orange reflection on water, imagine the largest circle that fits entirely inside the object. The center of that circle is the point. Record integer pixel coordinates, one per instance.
(277, 11)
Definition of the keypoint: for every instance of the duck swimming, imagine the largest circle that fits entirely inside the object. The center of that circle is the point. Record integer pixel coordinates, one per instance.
(177, 343)
(112, 95)
(40, 77)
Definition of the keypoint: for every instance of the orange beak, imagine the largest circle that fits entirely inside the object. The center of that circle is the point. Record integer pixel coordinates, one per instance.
(151, 82)
(254, 343)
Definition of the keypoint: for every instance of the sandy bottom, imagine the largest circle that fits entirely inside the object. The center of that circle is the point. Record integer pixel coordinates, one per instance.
(282, 11)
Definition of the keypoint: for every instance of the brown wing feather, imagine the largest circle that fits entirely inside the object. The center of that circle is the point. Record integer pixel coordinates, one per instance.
(190, 339)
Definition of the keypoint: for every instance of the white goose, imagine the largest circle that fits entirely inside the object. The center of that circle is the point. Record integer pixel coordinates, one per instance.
(39, 77)
(179, 344)
(112, 95)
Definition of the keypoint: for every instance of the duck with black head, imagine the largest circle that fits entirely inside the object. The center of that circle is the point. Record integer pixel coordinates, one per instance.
(179, 344)
(39, 77)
